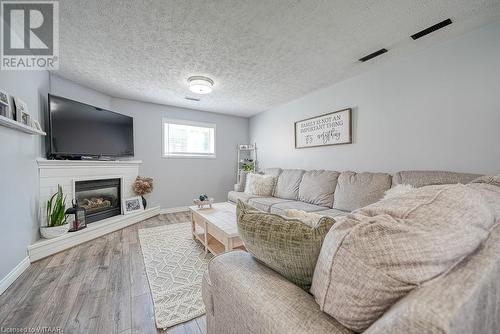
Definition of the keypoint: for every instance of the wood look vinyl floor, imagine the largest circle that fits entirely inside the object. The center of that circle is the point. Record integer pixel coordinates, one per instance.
(97, 287)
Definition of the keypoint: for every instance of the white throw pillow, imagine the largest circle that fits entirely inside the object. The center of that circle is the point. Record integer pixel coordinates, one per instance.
(309, 218)
(400, 189)
(260, 185)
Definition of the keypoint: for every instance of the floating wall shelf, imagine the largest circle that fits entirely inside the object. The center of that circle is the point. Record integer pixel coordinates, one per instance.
(10, 123)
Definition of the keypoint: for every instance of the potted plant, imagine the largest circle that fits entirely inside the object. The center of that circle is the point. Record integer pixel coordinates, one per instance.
(247, 166)
(143, 186)
(56, 216)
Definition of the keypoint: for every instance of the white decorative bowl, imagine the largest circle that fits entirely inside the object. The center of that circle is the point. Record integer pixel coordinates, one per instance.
(201, 204)
(54, 232)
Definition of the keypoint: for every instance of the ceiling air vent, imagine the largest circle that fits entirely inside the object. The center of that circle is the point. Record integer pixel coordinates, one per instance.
(373, 55)
(192, 98)
(432, 29)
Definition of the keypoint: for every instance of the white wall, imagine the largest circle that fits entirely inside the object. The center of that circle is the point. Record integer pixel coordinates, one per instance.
(71, 90)
(177, 181)
(439, 109)
(19, 171)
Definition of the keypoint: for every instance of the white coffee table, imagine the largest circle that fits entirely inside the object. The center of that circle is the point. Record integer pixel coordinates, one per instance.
(216, 227)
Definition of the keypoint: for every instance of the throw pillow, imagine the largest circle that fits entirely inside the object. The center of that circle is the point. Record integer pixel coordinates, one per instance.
(309, 218)
(376, 255)
(260, 185)
(398, 190)
(288, 246)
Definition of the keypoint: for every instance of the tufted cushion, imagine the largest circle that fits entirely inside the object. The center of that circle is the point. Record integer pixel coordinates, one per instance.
(317, 187)
(288, 246)
(356, 190)
(287, 186)
(376, 255)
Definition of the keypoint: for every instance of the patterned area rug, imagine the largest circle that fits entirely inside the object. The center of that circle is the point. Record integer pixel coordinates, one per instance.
(175, 264)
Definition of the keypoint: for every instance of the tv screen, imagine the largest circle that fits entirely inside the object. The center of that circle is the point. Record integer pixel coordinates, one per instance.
(78, 129)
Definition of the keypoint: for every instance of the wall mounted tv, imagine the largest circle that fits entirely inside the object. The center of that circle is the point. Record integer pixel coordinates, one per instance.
(78, 130)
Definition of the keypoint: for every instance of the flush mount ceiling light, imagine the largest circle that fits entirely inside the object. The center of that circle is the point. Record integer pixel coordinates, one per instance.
(200, 85)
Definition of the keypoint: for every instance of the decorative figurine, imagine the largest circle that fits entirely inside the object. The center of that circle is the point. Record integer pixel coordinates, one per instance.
(203, 200)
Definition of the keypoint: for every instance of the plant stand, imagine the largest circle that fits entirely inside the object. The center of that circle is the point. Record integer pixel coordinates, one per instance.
(247, 155)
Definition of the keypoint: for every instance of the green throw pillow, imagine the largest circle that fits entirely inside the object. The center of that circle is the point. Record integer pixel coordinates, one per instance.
(288, 246)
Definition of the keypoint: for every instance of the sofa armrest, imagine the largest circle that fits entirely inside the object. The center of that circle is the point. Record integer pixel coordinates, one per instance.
(244, 296)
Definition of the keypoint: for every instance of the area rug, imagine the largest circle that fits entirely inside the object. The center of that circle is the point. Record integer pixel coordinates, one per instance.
(175, 264)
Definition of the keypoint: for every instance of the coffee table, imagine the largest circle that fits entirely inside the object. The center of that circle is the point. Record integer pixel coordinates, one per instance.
(216, 228)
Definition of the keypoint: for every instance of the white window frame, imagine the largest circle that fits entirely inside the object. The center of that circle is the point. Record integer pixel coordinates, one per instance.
(187, 155)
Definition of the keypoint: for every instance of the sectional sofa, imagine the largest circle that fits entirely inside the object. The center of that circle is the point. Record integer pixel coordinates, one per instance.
(242, 295)
(332, 193)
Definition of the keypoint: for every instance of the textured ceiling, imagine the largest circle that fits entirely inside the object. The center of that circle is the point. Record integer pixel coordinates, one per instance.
(260, 53)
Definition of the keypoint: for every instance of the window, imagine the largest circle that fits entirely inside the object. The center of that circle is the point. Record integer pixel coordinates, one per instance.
(188, 139)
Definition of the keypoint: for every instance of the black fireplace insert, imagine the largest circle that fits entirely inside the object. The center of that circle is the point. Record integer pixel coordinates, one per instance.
(100, 198)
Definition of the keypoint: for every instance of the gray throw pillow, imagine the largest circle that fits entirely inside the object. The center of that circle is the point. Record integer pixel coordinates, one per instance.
(288, 246)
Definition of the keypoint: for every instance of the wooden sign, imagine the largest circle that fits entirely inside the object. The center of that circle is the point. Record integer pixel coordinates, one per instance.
(329, 129)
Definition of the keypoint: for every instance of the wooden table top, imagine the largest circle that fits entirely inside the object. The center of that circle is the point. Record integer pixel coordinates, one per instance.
(221, 215)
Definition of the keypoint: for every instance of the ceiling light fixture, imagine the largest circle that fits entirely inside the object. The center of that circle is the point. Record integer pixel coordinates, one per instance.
(200, 85)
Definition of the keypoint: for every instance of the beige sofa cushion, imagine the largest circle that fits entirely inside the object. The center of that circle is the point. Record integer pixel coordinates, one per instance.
(288, 246)
(287, 186)
(421, 178)
(376, 255)
(332, 213)
(273, 171)
(234, 196)
(265, 203)
(280, 208)
(356, 190)
(317, 187)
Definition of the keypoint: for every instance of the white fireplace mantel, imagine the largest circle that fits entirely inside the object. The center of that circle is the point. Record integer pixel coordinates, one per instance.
(45, 163)
(64, 173)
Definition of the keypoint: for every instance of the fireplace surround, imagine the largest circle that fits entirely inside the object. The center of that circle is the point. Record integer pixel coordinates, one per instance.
(100, 198)
(67, 173)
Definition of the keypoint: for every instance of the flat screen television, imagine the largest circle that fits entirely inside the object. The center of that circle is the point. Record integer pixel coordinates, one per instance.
(78, 130)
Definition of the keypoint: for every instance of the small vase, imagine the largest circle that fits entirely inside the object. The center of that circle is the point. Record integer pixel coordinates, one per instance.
(144, 202)
(53, 232)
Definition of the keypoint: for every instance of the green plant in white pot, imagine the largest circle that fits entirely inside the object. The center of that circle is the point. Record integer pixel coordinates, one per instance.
(56, 216)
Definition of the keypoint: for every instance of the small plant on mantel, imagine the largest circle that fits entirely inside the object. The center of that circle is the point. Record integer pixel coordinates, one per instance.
(56, 215)
(56, 208)
(143, 186)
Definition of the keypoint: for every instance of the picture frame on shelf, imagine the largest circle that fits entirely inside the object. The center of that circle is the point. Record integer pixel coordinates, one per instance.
(36, 125)
(22, 115)
(132, 204)
(6, 109)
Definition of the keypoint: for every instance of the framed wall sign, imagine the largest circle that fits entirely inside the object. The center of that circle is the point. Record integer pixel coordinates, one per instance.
(329, 129)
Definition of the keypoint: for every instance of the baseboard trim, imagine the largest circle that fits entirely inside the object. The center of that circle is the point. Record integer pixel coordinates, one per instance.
(47, 247)
(14, 274)
(174, 210)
